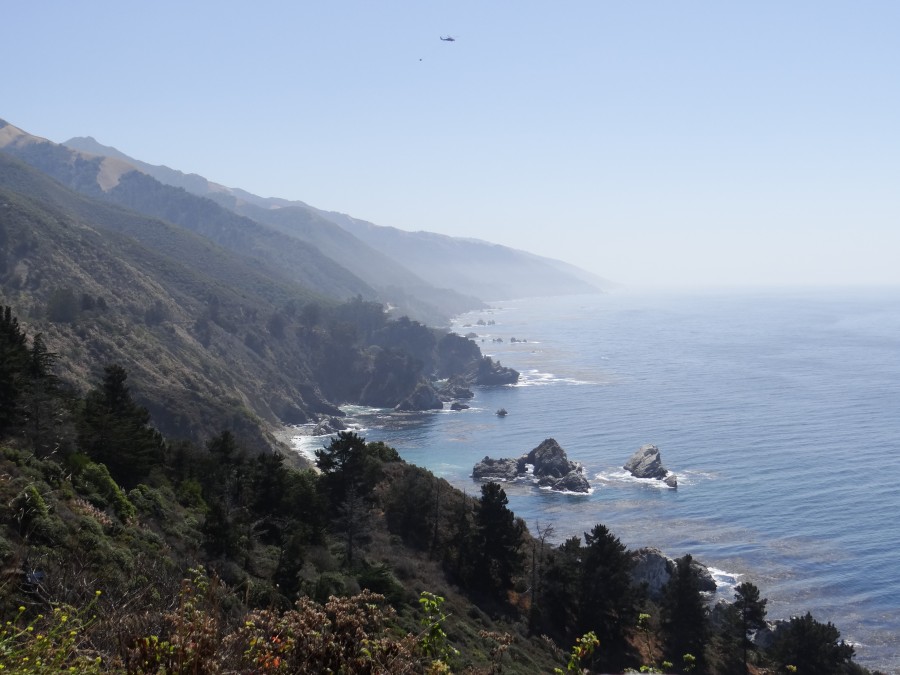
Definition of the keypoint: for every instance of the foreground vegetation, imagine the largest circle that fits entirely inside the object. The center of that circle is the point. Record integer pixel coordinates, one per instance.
(123, 551)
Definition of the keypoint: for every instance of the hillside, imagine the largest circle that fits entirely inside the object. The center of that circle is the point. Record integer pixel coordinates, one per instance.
(123, 552)
(430, 263)
(103, 285)
(213, 339)
(113, 180)
(488, 271)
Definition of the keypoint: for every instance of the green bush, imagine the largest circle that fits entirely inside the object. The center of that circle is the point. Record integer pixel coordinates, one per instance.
(103, 491)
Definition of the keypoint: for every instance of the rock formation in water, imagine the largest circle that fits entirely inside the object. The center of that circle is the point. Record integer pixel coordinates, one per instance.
(329, 425)
(503, 469)
(647, 463)
(550, 468)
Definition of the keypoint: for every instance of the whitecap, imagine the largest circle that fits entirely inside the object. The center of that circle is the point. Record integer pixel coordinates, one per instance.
(535, 378)
(549, 488)
(626, 478)
(725, 581)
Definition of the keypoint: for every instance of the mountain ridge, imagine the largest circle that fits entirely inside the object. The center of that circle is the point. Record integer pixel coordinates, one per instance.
(509, 273)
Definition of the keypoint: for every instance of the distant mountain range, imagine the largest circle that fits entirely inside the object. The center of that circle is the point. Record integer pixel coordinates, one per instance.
(226, 308)
(472, 267)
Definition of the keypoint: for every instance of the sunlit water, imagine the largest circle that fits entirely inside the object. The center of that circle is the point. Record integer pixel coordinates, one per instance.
(777, 411)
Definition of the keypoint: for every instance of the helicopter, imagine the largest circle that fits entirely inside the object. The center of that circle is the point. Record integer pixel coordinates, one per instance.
(449, 38)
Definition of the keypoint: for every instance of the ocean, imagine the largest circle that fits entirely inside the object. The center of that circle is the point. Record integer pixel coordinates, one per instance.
(779, 411)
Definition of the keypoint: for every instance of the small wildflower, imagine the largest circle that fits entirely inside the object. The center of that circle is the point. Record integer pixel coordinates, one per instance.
(98, 593)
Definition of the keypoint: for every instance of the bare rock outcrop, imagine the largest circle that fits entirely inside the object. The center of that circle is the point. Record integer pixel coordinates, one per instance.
(550, 468)
(653, 568)
(646, 462)
(502, 469)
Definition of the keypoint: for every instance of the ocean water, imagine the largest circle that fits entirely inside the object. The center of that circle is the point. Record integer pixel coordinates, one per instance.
(778, 411)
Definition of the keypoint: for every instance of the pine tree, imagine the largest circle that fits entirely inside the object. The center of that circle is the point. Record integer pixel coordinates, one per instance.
(559, 599)
(608, 604)
(14, 362)
(499, 535)
(116, 431)
(812, 647)
(685, 621)
(749, 614)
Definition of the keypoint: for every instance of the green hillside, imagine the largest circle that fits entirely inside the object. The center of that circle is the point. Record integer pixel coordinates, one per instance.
(213, 339)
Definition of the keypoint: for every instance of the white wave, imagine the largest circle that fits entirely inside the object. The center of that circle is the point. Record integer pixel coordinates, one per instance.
(535, 378)
(567, 492)
(306, 446)
(625, 477)
(726, 582)
(361, 410)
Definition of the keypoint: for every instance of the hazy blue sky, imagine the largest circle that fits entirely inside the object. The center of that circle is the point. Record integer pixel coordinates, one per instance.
(650, 142)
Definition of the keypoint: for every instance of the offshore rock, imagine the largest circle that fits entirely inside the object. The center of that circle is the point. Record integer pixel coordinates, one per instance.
(329, 425)
(647, 463)
(549, 459)
(456, 405)
(574, 481)
(550, 468)
(496, 469)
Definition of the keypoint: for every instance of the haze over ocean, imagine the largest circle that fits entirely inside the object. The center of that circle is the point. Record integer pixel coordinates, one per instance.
(777, 411)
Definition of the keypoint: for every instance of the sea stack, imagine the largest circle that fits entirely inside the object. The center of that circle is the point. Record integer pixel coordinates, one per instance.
(647, 463)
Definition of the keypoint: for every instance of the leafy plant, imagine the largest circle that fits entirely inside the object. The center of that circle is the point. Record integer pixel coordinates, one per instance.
(51, 642)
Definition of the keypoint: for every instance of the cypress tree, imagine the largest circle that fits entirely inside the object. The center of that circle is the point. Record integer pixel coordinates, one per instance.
(14, 363)
(685, 621)
(608, 604)
(114, 430)
(499, 535)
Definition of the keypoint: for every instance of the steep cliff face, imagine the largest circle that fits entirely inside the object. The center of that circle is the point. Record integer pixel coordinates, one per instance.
(212, 340)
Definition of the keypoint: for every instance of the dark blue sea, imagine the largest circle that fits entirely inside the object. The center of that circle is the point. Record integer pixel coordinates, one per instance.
(779, 411)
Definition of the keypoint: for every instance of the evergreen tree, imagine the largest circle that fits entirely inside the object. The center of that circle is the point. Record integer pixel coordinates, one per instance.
(461, 546)
(685, 621)
(749, 613)
(349, 462)
(608, 604)
(812, 647)
(559, 593)
(499, 535)
(116, 431)
(14, 364)
(41, 397)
